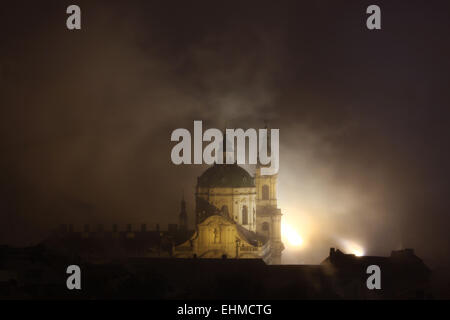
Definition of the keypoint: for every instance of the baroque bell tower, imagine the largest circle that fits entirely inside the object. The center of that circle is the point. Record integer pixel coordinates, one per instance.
(268, 214)
(266, 185)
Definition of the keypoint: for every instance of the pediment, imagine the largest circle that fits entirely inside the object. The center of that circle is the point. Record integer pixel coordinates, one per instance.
(216, 220)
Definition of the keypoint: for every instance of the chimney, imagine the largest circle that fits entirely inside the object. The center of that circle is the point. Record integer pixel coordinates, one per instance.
(332, 251)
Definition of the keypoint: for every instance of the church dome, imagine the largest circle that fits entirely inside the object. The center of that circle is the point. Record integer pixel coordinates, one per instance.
(226, 176)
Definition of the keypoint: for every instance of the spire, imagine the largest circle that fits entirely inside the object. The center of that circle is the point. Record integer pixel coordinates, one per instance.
(183, 214)
(183, 205)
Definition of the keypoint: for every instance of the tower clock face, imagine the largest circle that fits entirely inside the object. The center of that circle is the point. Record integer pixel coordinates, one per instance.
(247, 145)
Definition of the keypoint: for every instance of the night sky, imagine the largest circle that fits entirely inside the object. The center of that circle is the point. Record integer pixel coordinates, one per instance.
(86, 116)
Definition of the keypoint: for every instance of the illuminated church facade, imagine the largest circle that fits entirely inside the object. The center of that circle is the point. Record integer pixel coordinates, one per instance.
(236, 216)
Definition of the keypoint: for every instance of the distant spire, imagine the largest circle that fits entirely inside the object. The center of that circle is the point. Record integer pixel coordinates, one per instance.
(183, 214)
(183, 203)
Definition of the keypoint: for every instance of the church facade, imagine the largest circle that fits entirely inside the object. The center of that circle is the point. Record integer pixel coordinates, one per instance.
(236, 216)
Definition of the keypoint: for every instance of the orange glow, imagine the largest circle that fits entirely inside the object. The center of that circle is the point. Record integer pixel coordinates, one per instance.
(353, 248)
(290, 235)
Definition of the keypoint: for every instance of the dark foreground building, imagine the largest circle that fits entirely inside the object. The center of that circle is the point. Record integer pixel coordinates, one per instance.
(40, 272)
(403, 275)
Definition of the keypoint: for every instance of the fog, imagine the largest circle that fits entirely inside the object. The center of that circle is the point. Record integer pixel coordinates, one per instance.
(86, 116)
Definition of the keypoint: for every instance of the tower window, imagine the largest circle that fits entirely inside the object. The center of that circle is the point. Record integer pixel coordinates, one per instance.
(265, 192)
(265, 226)
(225, 210)
(244, 215)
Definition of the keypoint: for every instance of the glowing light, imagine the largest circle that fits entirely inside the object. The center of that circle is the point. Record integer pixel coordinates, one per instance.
(359, 252)
(290, 235)
(353, 248)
